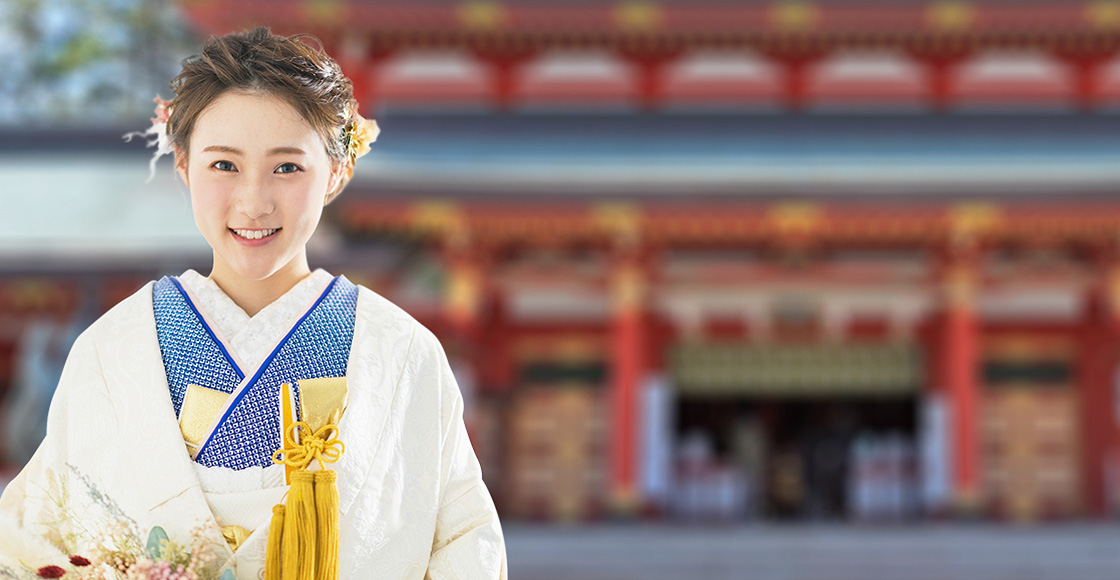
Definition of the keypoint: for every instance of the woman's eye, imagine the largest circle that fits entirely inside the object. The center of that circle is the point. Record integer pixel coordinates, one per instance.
(223, 166)
(288, 168)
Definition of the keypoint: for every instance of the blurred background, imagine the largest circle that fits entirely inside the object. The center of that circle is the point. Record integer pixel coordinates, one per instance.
(735, 289)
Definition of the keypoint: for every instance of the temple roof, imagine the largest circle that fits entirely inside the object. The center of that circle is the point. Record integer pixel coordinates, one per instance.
(83, 193)
(688, 155)
(743, 156)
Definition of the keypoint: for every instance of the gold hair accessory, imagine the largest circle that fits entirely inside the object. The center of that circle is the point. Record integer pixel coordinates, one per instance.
(359, 134)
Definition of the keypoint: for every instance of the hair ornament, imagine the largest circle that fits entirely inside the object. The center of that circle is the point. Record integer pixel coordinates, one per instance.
(159, 131)
(359, 134)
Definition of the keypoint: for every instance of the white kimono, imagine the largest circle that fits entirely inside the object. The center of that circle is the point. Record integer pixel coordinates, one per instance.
(411, 495)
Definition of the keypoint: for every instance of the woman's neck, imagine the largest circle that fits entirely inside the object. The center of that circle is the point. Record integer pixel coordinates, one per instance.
(253, 295)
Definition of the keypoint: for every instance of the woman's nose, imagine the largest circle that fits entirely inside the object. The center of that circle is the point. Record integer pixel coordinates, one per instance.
(253, 200)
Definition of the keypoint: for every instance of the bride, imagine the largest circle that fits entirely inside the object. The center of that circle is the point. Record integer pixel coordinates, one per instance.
(181, 407)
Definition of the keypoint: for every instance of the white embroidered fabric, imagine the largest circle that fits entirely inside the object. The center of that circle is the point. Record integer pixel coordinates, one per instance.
(252, 338)
(226, 480)
(245, 497)
(242, 497)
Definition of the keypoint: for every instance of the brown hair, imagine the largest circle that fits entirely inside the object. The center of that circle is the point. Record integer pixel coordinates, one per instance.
(257, 61)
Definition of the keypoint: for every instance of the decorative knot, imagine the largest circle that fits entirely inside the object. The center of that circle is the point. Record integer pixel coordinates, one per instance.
(301, 446)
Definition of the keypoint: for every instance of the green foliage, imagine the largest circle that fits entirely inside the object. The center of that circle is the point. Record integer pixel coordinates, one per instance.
(156, 540)
(78, 51)
(88, 60)
(160, 547)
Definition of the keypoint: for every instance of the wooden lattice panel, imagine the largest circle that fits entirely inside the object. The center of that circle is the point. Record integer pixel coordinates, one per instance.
(557, 459)
(1031, 453)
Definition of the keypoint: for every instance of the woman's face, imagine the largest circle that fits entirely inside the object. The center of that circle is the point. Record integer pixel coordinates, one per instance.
(258, 175)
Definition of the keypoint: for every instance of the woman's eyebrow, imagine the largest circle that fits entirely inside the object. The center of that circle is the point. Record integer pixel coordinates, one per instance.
(273, 151)
(223, 149)
(285, 151)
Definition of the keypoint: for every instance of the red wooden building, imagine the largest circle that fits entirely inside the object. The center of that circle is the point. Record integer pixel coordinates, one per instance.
(997, 305)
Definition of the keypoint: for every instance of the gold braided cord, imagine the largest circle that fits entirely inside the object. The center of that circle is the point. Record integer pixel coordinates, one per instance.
(302, 446)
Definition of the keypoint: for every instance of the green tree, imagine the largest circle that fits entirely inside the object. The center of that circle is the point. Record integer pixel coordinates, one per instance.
(87, 61)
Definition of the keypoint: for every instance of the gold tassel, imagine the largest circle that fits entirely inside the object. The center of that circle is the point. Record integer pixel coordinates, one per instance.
(273, 556)
(310, 533)
(299, 528)
(326, 508)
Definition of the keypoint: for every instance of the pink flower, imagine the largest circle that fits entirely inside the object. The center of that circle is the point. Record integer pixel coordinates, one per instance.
(79, 561)
(163, 110)
(51, 572)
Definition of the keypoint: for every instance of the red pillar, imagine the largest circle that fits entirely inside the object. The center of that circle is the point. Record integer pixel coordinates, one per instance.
(941, 83)
(650, 73)
(361, 76)
(628, 282)
(650, 66)
(1087, 69)
(795, 83)
(1111, 363)
(941, 67)
(465, 291)
(961, 360)
(500, 371)
(505, 66)
(361, 64)
(1087, 75)
(1100, 434)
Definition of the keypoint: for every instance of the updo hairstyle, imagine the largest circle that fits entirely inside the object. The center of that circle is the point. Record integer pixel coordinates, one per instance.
(259, 62)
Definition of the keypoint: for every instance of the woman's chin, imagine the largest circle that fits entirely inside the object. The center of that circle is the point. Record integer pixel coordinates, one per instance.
(258, 267)
(255, 272)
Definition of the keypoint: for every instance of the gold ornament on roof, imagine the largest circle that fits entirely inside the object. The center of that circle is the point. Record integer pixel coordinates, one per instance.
(796, 218)
(638, 16)
(951, 16)
(483, 15)
(970, 220)
(791, 16)
(324, 11)
(438, 217)
(622, 220)
(1103, 14)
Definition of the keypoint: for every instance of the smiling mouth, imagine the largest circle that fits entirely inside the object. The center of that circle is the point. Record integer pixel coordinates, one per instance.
(254, 234)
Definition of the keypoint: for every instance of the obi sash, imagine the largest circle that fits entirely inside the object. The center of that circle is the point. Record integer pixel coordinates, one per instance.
(247, 430)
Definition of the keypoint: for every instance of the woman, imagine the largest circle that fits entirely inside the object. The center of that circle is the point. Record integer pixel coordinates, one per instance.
(175, 407)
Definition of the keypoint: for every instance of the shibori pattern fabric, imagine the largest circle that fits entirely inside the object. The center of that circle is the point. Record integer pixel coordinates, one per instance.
(191, 352)
(317, 346)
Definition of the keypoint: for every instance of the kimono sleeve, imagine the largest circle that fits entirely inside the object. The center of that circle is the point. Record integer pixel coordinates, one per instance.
(468, 540)
(80, 411)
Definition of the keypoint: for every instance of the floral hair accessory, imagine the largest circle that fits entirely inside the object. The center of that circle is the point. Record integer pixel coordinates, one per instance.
(358, 135)
(159, 131)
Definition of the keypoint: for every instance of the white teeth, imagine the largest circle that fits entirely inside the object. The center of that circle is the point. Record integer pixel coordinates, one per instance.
(255, 234)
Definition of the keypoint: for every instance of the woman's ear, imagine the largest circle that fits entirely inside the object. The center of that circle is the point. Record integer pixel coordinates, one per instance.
(181, 166)
(337, 170)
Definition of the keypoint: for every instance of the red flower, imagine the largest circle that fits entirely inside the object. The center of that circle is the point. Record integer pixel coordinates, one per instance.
(51, 572)
(79, 561)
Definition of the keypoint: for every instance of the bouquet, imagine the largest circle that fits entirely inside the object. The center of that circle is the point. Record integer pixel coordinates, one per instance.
(107, 546)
